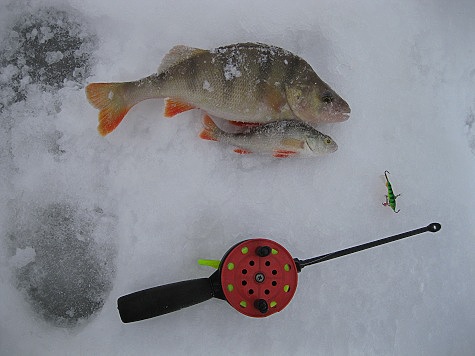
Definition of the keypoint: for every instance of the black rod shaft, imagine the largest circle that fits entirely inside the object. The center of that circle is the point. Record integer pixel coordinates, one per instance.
(433, 227)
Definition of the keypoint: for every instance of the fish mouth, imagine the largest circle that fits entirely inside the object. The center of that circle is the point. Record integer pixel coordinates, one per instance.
(335, 116)
(334, 148)
(339, 117)
(325, 115)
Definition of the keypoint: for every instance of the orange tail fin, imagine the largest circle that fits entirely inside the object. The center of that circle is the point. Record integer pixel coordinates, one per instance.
(209, 132)
(109, 99)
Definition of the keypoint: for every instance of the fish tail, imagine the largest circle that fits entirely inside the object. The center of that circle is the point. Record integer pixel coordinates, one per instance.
(110, 99)
(210, 131)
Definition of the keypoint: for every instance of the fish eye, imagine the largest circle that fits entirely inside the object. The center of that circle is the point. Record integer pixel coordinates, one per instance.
(327, 97)
(328, 141)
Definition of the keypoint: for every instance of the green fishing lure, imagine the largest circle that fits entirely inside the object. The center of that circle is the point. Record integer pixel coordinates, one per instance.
(390, 198)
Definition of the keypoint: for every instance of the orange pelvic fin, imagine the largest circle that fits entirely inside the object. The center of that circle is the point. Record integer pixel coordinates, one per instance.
(206, 135)
(109, 99)
(244, 124)
(210, 129)
(283, 153)
(242, 151)
(174, 107)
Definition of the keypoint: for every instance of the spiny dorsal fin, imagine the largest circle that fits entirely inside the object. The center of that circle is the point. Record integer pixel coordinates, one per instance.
(176, 55)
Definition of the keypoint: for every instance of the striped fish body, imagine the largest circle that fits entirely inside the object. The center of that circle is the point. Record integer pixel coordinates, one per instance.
(279, 138)
(247, 82)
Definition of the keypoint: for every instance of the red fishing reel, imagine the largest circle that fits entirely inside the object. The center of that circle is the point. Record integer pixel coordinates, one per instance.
(257, 277)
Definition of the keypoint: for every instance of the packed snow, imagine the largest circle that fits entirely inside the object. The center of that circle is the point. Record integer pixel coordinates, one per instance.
(86, 219)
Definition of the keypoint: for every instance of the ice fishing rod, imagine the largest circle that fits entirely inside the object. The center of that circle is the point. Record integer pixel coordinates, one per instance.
(257, 277)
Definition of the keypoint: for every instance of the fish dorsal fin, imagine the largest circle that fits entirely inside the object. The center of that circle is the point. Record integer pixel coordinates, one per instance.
(176, 55)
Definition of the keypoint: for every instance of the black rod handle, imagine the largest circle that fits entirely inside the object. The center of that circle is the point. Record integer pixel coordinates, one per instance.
(433, 227)
(164, 299)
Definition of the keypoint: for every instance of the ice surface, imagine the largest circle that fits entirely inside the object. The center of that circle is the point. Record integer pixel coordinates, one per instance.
(86, 219)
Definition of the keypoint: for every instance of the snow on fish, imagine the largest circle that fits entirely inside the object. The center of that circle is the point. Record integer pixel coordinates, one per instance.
(244, 82)
(282, 139)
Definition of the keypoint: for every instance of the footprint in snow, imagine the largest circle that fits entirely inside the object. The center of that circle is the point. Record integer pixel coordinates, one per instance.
(60, 250)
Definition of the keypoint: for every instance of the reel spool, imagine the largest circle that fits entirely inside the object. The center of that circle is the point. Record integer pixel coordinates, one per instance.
(257, 277)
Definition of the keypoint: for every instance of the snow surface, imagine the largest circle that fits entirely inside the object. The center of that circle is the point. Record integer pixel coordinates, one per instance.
(86, 219)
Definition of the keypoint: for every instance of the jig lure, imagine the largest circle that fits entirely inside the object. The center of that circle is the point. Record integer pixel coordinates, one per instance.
(257, 277)
(390, 198)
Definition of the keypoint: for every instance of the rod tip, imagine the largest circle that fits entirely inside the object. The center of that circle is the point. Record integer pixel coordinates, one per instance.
(434, 227)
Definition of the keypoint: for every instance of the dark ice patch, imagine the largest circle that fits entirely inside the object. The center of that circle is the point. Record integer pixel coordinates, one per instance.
(52, 143)
(62, 255)
(70, 274)
(469, 122)
(45, 46)
(42, 49)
